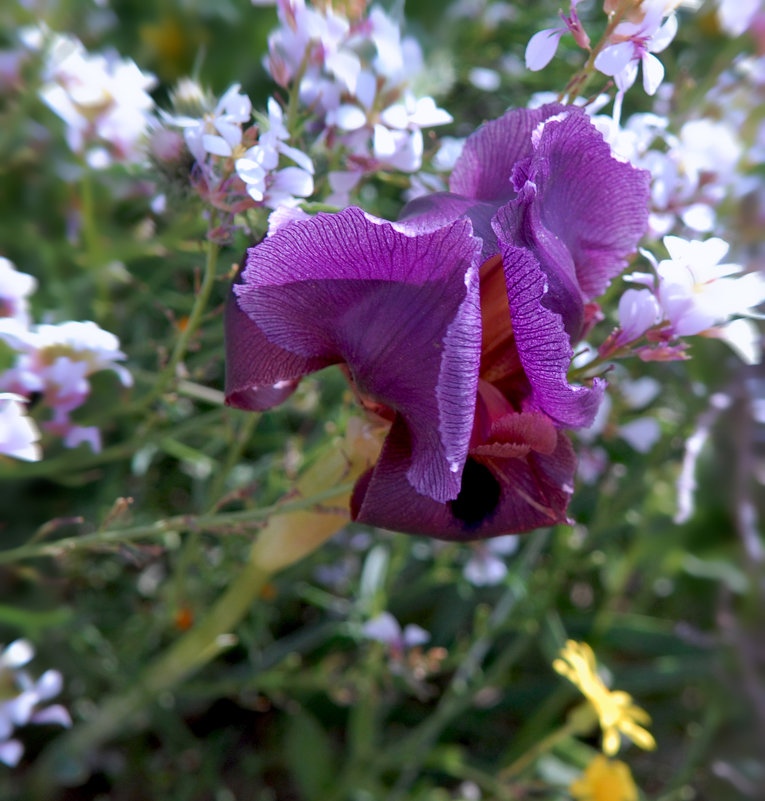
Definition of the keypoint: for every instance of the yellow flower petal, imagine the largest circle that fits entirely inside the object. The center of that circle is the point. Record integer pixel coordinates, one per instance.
(616, 711)
(605, 780)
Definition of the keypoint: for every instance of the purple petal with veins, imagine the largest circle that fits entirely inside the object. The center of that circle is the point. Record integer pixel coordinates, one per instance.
(400, 310)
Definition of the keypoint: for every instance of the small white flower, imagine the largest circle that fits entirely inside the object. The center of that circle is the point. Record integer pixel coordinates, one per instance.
(543, 45)
(257, 167)
(636, 43)
(485, 568)
(696, 291)
(21, 699)
(641, 434)
(485, 79)
(15, 288)
(217, 132)
(638, 311)
(57, 360)
(102, 98)
(386, 629)
(736, 15)
(19, 435)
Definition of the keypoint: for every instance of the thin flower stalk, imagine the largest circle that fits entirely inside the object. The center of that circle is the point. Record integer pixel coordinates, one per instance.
(285, 539)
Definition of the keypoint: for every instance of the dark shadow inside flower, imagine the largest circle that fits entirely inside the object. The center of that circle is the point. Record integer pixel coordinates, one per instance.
(479, 494)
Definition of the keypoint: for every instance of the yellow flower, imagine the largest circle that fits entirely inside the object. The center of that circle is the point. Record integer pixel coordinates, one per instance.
(605, 780)
(615, 709)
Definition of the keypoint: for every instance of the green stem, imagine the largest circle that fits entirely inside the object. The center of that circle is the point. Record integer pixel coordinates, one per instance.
(168, 374)
(209, 522)
(185, 656)
(576, 85)
(292, 105)
(516, 768)
(93, 245)
(240, 440)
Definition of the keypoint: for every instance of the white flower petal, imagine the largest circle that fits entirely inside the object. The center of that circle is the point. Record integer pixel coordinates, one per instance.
(216, 145)
(414, 635)
(17, 654)
(383, 628)
(298, 156)
(55, 715)
(542, 47)
(11, 752)
(614, 58)
(49, 685)
(653, 73)
(641, 434)
(638, 311)
(662, 38)
(349, 117)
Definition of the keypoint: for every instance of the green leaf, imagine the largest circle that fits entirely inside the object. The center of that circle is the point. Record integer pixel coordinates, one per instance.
(309, 756)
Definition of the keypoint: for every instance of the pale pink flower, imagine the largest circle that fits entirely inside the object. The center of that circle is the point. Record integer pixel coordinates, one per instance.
(635, 43)
(543, 45)
(19, 435)
(15, 289)
(102, 98)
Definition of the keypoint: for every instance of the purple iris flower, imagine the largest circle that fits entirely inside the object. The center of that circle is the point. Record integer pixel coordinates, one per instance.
(457, 322)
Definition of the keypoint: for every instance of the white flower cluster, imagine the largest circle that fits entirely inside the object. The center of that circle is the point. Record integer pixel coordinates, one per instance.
(237, 163)
(22, 698)
(102, 98)
(691, 293)
(648, 27)
(737, 16)
(691, 171)
(354, 76)
(52, 360)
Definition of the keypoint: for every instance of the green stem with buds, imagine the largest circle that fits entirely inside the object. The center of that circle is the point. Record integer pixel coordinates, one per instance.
(577, 84)
(290, 534)
(201, 300)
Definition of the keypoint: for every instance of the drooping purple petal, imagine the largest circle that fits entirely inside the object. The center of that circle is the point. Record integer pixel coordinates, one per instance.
(484, 168)
(498, 495)
(597, 206)
(259, 374)
(401, 310)
(542, 342)
(519, 223)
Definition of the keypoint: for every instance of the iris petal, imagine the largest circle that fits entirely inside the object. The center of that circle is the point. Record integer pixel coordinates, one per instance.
(596, 205)
(401, 311)
(499, 495)
(543, 344)
(484, 169)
